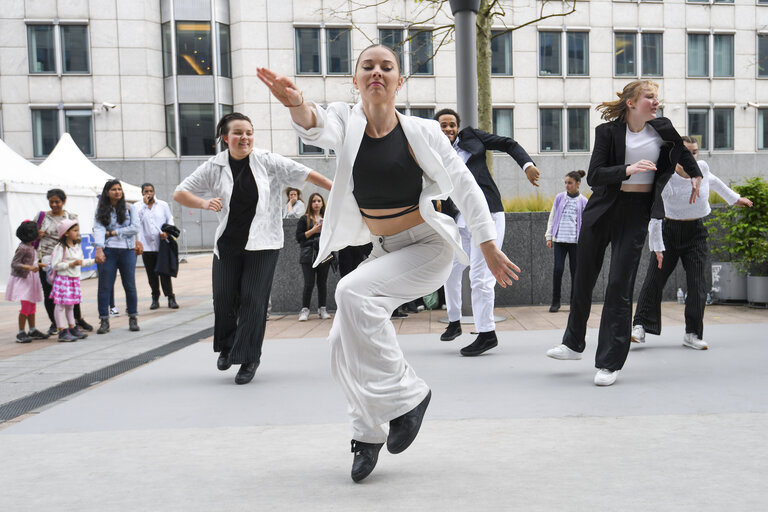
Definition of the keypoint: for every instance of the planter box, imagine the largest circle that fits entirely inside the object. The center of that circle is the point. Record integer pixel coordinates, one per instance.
(727, 283)
(757, 290)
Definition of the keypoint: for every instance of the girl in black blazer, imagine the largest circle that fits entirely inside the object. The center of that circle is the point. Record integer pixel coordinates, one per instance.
(634, 156)
(308, 235)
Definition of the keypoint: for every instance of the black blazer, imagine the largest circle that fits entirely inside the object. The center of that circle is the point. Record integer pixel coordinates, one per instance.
(607, 170)
(476, 142)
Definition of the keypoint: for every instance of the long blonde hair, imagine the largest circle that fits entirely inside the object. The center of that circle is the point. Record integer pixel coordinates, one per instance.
(618, 109)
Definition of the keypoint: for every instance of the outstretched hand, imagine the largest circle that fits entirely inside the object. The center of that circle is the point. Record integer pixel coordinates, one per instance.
(499, 265)
(532, 173)
(281, 87)
(695, 186)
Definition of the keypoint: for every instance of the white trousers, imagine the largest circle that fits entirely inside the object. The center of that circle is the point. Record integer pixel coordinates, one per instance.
(366, 359)
(480, 277)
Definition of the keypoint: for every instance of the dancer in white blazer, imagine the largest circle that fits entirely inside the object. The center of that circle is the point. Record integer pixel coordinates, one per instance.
(389, 168)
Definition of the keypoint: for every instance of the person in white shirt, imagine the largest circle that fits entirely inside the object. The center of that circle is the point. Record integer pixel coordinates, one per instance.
(680, 236)
(153, 213)
(295, 207)
(245, 187)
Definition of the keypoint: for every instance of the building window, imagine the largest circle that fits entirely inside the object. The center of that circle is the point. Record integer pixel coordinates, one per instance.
(197, 127)
(393, 38)
(549, 54)
(625, 54)
(170, 127)
(501, 53)
(578, 53)
(722, 129)
(45, 131)
(503, 122)
(45, 41)
(167, 49)
(762, 54)
(306, 149)
(225, 60)
(79, 124)
(578, 129)
(193, 46)
(551, 129)
(762, 127)
(48, 124)
(425, 112)
(698, 126)
(721, 61)
(652, 54)
(308, 50)
(339, 55)
(421, 51)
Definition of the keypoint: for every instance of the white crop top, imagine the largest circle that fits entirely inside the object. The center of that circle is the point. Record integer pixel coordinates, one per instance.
(643, 145)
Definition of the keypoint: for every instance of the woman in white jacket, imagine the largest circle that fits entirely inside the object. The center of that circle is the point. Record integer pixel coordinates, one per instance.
(389, 168)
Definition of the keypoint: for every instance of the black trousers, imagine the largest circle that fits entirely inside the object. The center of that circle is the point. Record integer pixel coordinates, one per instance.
(49, 305)
(624, 226)
(686, 241)
(156, 280)
(561, 251)
(312, 275)
(242, 282)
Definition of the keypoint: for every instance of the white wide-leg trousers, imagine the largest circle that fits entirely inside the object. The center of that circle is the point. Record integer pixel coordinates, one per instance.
(366, 359)
(480, 277)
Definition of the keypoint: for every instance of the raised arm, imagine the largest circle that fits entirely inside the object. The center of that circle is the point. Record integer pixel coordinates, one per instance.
(290, 96)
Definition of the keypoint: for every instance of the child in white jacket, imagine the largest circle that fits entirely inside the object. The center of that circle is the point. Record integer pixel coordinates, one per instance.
(66, 261)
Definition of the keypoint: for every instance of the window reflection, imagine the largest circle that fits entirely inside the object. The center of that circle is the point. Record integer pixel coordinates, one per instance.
(193, 44)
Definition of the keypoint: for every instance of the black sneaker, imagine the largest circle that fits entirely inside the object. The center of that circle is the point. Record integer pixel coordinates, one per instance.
(23, 337)
(52, 329)
(77, 333)
(366, 456)
(485, 341)
(452, 332)
(37, 335)
(555, 307)
(133, 324)
(66, 336)
(399, 313)
(81, 323)
(104, 327)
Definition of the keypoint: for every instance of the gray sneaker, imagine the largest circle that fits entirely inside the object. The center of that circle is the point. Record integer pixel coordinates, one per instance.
(66, 336)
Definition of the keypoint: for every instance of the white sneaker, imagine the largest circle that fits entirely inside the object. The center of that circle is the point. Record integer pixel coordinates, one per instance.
(690, 340)
(114, 311)
(638, 334)
(605, 377)
(323, 313)
(564, 353)
(304, 315)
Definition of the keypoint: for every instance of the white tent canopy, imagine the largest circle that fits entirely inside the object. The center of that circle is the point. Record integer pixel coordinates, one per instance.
(66, 160)
(23, 188)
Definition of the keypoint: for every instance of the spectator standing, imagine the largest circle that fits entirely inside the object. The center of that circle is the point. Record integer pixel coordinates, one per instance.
(23, 284)
(48, 225)
(153, 213)
(114, 235)
(308, 235)
(563, 232)
(294, 208)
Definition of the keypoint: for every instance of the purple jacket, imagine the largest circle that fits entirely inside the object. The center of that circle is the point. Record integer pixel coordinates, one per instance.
(559, 206)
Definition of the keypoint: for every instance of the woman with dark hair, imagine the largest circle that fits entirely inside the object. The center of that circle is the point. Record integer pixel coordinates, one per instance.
(48, 223)
(244, 186)
(562, 234)
(634, 156)
(308, 235)
(294, 208)
(389, 169)
(114, 235)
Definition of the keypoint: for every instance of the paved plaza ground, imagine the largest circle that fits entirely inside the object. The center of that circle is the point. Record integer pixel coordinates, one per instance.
(510, 430)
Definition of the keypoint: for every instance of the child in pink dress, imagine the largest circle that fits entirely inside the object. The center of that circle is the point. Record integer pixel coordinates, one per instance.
(23, 284)
(66, 260)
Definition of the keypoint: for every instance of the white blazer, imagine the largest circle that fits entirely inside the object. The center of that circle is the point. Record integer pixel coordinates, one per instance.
(341, 128)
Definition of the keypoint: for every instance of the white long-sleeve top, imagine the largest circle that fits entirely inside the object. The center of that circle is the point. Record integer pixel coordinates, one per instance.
(61, 258)
(150, 222)
(676, 196)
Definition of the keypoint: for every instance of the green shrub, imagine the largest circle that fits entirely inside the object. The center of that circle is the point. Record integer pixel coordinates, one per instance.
(529, 203)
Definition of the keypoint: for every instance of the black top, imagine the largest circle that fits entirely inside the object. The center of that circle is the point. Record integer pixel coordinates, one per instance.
(607, 170)
(242, 206)
(476, 142)
(385, 175)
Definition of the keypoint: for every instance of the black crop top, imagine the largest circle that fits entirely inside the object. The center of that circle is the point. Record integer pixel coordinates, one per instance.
(385, 175)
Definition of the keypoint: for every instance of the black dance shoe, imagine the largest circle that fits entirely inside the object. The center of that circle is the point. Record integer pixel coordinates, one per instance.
(485, 341)
(403, 429)
(222, 363)
(366, 456)
(245, 373)
(452, 332)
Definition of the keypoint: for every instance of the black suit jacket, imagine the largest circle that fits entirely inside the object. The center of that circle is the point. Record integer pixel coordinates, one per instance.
(476, 142)
(607, 170)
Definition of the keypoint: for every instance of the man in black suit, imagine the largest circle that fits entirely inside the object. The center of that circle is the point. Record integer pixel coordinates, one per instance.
(471, 145)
